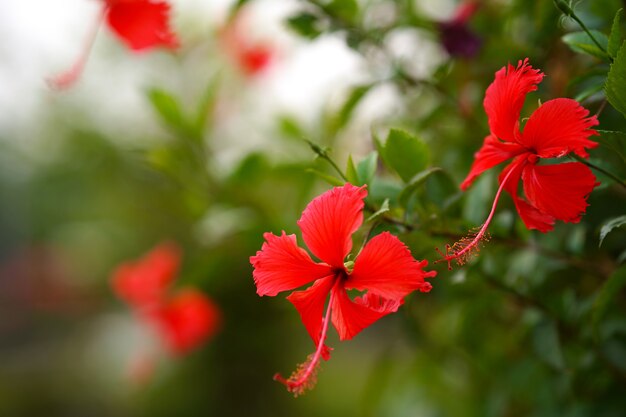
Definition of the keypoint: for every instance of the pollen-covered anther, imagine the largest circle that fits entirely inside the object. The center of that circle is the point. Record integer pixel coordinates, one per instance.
(303, 378)
(464, 249)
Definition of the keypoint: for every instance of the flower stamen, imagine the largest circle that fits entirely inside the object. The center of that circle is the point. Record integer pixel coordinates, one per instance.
(463, 250)
(67, 78)
(305, 376)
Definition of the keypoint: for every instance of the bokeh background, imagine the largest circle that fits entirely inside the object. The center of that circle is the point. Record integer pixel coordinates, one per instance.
(199, 147)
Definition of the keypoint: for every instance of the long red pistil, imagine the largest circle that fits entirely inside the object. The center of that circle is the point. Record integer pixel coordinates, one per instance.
(305, 376)
(67, 78)
(463, 250)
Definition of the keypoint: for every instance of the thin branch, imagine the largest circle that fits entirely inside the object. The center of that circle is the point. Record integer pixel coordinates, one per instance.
(600, 169)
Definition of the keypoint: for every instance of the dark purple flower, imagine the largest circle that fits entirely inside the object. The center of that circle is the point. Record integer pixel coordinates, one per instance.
(456, 36)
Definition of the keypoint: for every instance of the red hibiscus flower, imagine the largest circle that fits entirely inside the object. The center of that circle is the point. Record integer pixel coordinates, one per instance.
(557, 128)
(184, 319)
(141, 24)
(384, 268)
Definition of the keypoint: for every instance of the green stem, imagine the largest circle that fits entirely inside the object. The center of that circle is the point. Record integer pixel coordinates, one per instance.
(336, 168)
(565, 8)
(593, 38)
(323, 153)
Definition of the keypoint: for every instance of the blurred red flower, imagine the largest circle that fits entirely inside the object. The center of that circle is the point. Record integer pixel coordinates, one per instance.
(251, 56)
(384, 268)
(184, 319)
(144, 282)
(141, 24)
(557, 128)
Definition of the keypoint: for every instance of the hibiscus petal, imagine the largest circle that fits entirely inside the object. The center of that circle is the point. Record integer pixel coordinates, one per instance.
(310, 305)
(329, 221)
(492, 153)
(349, 317)
(281, 265)
(505, 96)
(186, 320)
(530, 215)
(143, 282)
(559, 190)
(142, 23)
(558, 127)
(386, 267)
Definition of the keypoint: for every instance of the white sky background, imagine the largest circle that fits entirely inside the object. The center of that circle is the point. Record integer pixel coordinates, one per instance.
(40, 38)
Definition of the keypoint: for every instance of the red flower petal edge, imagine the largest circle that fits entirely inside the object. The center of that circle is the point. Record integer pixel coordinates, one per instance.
(281, 265)
(385, 270)
(329, 221)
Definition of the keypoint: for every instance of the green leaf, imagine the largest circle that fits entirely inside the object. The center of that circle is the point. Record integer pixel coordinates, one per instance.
(383, 209)
(589, 91)
(415, 183)
(326, 177)
(305, 24)
(405, 154)
(606, 294)
(205, 107)
(621, 258)
(290, 127)
(615, 141)
(614, 350)
(546, 344)
(249, 170)
(479, 197)
(442, 192)
(351, 174)
(366, 169)
(615, 86)
(162, 159)
(615, 38)
(346, 111)
(167, 106)
(581, 42)
(380, 147)
(344, 9)
(610, 225)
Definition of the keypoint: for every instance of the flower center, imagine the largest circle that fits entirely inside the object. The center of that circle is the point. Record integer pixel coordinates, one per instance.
(340, 273)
